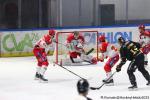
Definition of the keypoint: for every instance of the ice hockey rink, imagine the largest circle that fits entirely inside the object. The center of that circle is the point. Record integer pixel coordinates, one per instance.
(17, 82)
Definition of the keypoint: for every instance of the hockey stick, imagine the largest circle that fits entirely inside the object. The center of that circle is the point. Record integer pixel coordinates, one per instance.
(97, 88)
(90, 51)
(70, 71)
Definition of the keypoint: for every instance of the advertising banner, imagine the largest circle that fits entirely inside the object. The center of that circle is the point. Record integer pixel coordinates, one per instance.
(21, 43)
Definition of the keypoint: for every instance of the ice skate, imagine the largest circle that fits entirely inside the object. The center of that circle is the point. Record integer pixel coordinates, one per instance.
(37, 76)
(109, 82)
(145, 62)
(105, 80)
(148, 83)
(42, 79)
(133, 87)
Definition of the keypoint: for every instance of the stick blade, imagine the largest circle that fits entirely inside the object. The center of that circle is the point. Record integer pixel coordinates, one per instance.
(94, 88)
(90, 51)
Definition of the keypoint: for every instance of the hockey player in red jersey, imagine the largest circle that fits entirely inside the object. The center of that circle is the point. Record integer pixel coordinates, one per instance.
(144, 41)
(40, 52)
(109, 51)
(75, 43)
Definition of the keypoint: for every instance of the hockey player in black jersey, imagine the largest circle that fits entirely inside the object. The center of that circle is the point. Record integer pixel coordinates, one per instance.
(131, 51)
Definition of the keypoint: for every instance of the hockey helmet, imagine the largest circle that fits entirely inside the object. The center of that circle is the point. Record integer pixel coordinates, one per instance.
(51, 32)
(142, 26)
(82, 86)
(121, 40)
(101, 38)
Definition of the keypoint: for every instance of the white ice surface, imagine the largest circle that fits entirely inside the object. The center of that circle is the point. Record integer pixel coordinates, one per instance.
(17, 81)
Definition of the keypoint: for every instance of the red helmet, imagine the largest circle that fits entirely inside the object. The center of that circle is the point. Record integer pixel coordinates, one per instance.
(142, 26)
(101, 38)
(51, 32)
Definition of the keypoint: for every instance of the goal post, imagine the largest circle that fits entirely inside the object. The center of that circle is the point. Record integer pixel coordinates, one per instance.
(61, 51)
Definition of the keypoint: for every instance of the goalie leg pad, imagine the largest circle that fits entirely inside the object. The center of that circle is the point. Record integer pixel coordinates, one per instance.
(86, 57)
(68, 62)
(74, 54)
(89, 58)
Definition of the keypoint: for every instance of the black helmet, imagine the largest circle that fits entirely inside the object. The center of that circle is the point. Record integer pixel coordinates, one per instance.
(82, 86)
(121, 40)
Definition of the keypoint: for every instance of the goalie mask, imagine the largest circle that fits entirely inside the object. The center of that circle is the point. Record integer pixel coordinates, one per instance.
(76, 34)
(82, 86)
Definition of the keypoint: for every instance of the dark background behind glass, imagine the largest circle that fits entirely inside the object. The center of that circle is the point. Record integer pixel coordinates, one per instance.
(17, 14)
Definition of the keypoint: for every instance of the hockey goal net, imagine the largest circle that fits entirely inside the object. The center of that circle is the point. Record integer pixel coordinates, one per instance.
(61, 51)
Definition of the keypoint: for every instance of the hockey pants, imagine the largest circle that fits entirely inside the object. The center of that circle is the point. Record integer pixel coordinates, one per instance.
(138, 63)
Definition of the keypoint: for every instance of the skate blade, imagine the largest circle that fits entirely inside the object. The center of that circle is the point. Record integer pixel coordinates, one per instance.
(110, 84)
(41, 81)
(135, 89)
(36, 78)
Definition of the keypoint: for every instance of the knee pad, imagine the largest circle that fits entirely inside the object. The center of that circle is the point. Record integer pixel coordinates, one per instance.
(45, 63)
(39, 64)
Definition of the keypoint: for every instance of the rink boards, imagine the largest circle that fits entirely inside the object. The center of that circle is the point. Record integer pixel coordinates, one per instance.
(21, 42)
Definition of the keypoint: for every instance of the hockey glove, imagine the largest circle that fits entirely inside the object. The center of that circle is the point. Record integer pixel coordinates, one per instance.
(118, 68)
(101, 60)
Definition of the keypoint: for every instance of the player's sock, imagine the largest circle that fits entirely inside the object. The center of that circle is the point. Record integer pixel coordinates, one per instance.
(42, 72)
(37, 72)
(145, 60)
(108, 74)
